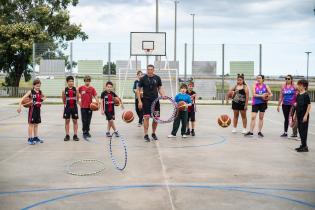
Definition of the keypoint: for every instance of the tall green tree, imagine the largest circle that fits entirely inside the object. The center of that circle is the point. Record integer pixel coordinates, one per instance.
(24, 22)
(112, 68)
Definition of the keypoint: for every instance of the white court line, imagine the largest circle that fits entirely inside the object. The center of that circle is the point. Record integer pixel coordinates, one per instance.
(15, 154)
(164, 175)
(281, 123)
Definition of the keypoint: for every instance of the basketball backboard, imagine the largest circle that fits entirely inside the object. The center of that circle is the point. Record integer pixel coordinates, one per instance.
(147, 43)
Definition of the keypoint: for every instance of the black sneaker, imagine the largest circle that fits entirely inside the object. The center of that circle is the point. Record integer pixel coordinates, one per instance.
(284, 135)
(188, 132)
(260, 134)
(67, 138)
(293, 136)
(298, 147)
(193, 132)
(88, 135)
(302, 149)
(108, 134)
(75, 138)
(154, 137)
(146, 138)
(248, 134)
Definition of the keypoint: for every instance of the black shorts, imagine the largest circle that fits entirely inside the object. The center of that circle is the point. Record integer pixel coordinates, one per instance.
(147, 107)
(70, 113)
(110, 116)
(34, 115)
(259, 107)
(191, 116)
(238, 106)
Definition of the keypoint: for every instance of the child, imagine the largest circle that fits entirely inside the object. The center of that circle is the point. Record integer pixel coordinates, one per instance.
(135, 87)
(191, 110)
(182, 115)
(34, 118)
(70, 99)
(303, 107)
(87, 93)
(108, 107)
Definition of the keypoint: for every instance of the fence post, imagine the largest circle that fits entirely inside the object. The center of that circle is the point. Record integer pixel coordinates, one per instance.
(260, 59)
(34, 62)
(185, 73)
(109, 61)
(222, 91)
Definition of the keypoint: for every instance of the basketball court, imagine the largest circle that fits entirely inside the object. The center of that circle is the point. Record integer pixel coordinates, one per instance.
(213, 170)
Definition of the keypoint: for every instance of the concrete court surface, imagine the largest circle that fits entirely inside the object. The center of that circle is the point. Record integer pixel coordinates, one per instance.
(214, 170)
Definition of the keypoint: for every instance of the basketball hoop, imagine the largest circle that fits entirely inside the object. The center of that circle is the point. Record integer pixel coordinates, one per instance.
(148, 51)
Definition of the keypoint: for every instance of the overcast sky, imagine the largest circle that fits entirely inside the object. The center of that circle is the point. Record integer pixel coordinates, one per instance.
(286, 29)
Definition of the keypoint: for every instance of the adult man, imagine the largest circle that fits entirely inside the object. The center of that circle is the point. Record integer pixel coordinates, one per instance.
(151, 85)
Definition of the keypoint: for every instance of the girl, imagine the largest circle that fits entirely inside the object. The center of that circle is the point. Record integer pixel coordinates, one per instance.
(287, 99)
(34, 118)
(240, 102)
(259, 104)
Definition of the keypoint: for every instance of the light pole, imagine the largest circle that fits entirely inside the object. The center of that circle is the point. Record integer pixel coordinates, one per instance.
(193, 38)
(175, 31)
(307, 65)
(156, 21)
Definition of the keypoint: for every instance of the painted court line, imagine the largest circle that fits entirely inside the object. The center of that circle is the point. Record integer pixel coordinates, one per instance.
(281, 123)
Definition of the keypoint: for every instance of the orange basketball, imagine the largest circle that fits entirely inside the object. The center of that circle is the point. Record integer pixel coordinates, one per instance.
(94, 106)
(27, 102)
(224, 121)
(116, 101)
(230, 94)
(127, 116)
(266, 97)
(181, 106)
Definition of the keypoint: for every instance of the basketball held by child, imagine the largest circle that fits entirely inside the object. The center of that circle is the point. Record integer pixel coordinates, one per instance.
(94, 106)
(127, 116)
(116, 101)
(181, 106)
(224, 121)
(27, 102)
(266, 97)
(230, 94)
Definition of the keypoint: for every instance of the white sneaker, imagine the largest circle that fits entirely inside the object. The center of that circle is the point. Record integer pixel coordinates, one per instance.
(184, 136)
(234, 130)
(171, 136)
(244, 131)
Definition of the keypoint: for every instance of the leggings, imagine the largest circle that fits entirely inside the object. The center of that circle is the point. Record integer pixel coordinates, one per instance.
(139, 112)
(286, 113)
(303, 129)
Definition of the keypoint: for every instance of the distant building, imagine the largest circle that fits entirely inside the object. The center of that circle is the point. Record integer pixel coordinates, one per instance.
(204, 68)
(90, 67)
(242, 67)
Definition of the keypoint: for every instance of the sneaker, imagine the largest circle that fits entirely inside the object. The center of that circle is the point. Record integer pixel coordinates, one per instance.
(302, 149)
(116, 134)
(67, 138)
(146, 138)
(188, 132)
(75, 138)
(234, 130)
(184, 136)
(154, 137)
(139, 124)
(248, 134)
(298, 147)
(108, 134)
(260, 134)
(88, 135)
(244, 131)
(293, 136)
(171, 136)
(284, 135)
(38, 140)
(193, 132)
(30, 141)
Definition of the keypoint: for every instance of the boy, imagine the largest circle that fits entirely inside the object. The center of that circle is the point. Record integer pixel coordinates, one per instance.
(135, 87)
(303, 107)
(108, 107)
(37, 97)
(87, 93)
(182, 115)
(191, 110)
(70, 99)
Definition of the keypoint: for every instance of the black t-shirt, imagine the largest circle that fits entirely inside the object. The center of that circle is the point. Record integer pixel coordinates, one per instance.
(192, 107)
(150, 86)
(302, 102)
(108, 101)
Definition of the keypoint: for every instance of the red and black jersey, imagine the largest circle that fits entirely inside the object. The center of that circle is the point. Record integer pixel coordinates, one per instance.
(108, 101)
(36, 98)
(71, 97)
(192, 108)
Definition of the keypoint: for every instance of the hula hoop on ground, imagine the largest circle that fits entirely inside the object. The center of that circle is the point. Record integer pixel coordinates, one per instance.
(123, 143)
(76, 164)
(172, 117)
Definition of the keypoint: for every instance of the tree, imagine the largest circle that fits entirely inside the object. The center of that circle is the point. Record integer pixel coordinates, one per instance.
(112, 68)
(24, 22)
